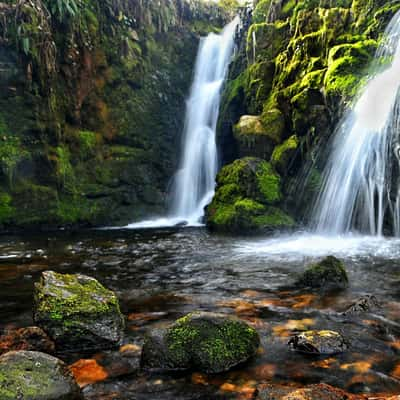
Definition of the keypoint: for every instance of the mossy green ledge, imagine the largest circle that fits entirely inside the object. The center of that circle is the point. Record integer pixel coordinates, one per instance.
(31, 375)
(77, 312)
(248, 199)
(200, 341)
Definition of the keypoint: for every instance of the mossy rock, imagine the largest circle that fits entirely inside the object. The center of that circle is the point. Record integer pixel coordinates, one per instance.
(36, 376)
(206, 342)
(246, 200)
(330, 273)
(284, 154)
(255, 138)
(347, 65)
(77, 312)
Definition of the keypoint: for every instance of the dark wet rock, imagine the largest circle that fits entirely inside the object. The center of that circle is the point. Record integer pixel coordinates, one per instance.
(32, 375)
(105, 367)
(31, 339)
(201, 341)
(319, 342)
(364, 304)
(313, 392)
(77, 312)
(330, 273)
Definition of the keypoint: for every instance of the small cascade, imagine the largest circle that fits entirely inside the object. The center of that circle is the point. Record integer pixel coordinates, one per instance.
(361, 181)
(194, 183)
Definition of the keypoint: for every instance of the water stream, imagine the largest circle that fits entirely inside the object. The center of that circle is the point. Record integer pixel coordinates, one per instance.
(361, 183)
(160, 275)
(194, 182)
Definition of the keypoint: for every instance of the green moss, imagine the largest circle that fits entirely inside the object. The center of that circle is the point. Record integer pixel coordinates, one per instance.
(210, 344)
(274, 123)
(269, 183)
(7, 211)
(273, 218)
(66, 301)
(87, 143)
(245, 192)
(284, 153)
(328, 273)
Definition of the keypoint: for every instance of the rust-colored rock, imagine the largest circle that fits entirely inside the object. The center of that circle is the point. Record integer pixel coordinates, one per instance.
(30, 339)
(312, 392)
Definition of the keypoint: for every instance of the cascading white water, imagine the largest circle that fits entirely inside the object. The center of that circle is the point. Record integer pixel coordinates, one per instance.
(360, 181)
(195, 181)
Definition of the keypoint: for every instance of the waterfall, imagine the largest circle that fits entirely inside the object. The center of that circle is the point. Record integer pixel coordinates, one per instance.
(194, 183)
(361, 184)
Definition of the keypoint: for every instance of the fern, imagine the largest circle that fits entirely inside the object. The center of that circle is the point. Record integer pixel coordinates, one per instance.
(63, 9)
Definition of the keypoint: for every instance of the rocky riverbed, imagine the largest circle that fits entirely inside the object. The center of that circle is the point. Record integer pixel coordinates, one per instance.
(161, 276)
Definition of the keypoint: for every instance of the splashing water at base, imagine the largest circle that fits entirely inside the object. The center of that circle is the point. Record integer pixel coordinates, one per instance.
(194, 183)
(360, 182)
(297, 246)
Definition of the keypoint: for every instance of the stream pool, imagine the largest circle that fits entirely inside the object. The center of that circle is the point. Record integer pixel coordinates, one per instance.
(160, 275)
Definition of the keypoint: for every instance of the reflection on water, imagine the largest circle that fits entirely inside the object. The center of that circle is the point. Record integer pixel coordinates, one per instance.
(159, 275)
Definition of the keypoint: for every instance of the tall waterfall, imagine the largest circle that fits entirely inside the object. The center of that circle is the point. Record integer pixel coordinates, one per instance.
(194, 183)
(361, 182)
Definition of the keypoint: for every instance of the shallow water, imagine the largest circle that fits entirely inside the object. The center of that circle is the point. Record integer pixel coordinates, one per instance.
(160, 275)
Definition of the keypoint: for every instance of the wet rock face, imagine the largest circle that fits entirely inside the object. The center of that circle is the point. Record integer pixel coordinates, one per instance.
(319, 342)
(34, 375)
(77, 312)
(329, 274)
(32, 339)
(204, 342)
(312, 392)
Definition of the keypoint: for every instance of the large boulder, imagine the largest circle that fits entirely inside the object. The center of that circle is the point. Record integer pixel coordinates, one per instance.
(330, 273)
(77, 312)
(247, 199)
(201, 341)
(32, 375)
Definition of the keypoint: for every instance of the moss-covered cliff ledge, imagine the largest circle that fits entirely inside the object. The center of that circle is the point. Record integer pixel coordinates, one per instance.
(301, 66)
(91, 106)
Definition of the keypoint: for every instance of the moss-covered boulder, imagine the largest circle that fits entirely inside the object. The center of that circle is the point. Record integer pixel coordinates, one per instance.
(32, 375)
(284, 154)
(201, 341)
(247, 199)
(258, 139)
(330, 273)
(77, 312)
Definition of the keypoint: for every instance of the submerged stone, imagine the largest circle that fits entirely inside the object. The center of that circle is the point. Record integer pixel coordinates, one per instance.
(320, 391)
(35, 376)
(330, 273)
(77, 312)
(319, 342)
(364, 304)
(201, 341)
(31, 338)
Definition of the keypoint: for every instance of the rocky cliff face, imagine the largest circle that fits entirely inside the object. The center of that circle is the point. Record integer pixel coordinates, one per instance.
(92, 105)
(302, 65)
